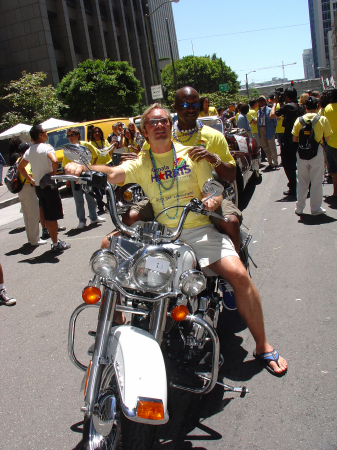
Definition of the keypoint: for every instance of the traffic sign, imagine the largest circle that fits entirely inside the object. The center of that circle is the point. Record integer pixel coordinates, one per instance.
(156, 92)
(224, 87)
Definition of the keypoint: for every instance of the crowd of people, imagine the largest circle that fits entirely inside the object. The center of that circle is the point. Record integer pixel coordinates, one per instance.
(199, 150)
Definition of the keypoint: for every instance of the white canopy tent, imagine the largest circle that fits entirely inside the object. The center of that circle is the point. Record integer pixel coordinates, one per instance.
(52, 123)
(21, 130)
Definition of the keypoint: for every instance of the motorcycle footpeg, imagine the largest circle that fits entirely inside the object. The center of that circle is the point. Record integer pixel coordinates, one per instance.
(242, 389)
(92, 333)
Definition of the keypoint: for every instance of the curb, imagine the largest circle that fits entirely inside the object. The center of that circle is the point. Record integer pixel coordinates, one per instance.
(9, 202)
(13, 200)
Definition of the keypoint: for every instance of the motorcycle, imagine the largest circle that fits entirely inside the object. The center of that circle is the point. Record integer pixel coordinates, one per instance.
(171, 341)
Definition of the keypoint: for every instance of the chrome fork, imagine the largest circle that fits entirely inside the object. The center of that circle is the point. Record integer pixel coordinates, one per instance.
(105, 319)
(158, 319)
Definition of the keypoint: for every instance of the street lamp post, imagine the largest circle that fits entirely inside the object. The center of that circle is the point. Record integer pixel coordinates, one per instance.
(150, 40)
(247, 82)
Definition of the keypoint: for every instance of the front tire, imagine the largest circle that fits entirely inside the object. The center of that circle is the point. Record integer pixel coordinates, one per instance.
(125, 434)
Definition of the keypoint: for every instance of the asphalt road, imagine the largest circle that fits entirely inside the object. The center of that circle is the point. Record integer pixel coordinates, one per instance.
(40, 388)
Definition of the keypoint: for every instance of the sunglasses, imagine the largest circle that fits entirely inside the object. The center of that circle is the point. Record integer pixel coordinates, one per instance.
(194, 105)
(96, 132)
(71, 135)
(155, 122)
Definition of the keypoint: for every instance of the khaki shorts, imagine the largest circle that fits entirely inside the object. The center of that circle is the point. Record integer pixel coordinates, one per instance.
(208, 244)
(227, 208)
(145, 211)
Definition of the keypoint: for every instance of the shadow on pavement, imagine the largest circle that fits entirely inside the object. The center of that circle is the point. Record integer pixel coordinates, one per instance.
(47, 257)
(25, 249)
(308, 219)
(331, 201)
(17, 230)
(247, 194)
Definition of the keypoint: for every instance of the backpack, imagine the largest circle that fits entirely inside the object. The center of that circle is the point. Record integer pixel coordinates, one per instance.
(12, 179)
(307, 144)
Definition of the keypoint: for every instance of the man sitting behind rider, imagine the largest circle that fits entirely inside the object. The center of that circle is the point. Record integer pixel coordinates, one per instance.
(171, 181)
(208, 144)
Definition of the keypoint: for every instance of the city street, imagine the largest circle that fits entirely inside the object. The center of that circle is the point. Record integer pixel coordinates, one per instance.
(296, 277)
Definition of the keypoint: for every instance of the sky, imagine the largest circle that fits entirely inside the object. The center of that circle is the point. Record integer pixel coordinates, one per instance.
(248, 35)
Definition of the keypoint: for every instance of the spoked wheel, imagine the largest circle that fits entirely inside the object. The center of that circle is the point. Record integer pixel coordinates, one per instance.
(114, 431)
(103, 430)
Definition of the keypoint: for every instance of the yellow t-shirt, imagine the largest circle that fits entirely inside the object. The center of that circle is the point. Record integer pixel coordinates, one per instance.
(279, 127)
(99, 145)
(213, 140)
(330, 112)
(252, 114)
(322, 127)
(211, 112)
(191, 178)
(29, 171)
(94, 151)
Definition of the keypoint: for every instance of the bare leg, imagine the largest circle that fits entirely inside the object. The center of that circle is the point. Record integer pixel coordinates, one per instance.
(52, 228)
(1, 275)
(42, 221)
(231, 227)
(248, 303)
(130, 217)
(334, 181)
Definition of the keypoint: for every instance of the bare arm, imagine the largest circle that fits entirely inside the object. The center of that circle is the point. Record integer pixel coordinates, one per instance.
(295, 138)
(54, 161)
(22, 169)
(226, 171)
(116, 175)
(273, 112)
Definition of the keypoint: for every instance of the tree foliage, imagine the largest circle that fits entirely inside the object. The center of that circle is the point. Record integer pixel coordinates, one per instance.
(26, 101)
(203, 73)
(100, 89)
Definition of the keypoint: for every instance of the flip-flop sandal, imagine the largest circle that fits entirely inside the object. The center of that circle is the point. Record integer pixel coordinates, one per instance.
(264, 358)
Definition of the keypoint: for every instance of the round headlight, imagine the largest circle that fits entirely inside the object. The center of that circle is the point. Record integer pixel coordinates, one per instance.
(103, 263)
(192, 282)
(153, 270)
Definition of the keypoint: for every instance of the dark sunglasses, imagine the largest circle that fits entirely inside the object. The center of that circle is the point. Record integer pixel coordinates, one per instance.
(155, 122)
(96, 132)
(194, 105)
(71, 135)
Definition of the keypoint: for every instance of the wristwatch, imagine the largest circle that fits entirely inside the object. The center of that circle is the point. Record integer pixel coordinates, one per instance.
(217, 162)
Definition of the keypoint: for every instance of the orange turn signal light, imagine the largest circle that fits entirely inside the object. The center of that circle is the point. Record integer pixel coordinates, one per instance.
(127, 196)
(152, 410)
(179, 313)
(91, 295)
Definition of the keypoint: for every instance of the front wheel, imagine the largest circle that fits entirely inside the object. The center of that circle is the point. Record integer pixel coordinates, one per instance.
(122, 432)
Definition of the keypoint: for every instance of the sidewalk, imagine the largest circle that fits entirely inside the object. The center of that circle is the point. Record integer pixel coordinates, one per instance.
(6, 197)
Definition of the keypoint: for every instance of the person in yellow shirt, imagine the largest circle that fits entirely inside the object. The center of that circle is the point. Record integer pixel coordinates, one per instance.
(279, 127)
(205, 109)
(311, 170)
(324, 101)
(169, 180)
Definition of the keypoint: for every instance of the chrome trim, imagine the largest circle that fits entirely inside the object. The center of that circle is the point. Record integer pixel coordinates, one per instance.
(139, 297)
(102, 252)
(105, 319)
(215, 360)
(158, 319)
(185, 274)
(149, 251)
(131, 310)
(71, 334)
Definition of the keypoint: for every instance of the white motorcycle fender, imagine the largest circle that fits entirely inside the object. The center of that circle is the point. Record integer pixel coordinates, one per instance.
(140, 370)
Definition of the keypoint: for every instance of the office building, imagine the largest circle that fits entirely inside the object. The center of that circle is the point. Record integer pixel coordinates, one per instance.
(53, 36)
(308, 64)
(322, 13)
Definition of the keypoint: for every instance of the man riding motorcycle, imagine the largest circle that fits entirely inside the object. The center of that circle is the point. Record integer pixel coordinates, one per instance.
(208, 144)
(172, 182)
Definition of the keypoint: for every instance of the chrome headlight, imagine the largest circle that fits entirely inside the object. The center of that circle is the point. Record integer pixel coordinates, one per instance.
(103, 263)
(154, 269)
(192, 282)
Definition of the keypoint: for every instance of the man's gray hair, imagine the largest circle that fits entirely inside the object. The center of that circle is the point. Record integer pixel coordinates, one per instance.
(147, 112)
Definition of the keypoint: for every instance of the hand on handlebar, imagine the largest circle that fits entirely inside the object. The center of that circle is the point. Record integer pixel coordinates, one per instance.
(74, 169)
(211, 204)
(128, 156)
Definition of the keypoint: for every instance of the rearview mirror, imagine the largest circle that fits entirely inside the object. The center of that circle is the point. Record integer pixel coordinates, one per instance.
(212, 187)
(77, 153)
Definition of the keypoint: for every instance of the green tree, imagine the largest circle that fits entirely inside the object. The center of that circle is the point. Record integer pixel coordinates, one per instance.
(203, 73)
(100, 89)
(26, 101)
